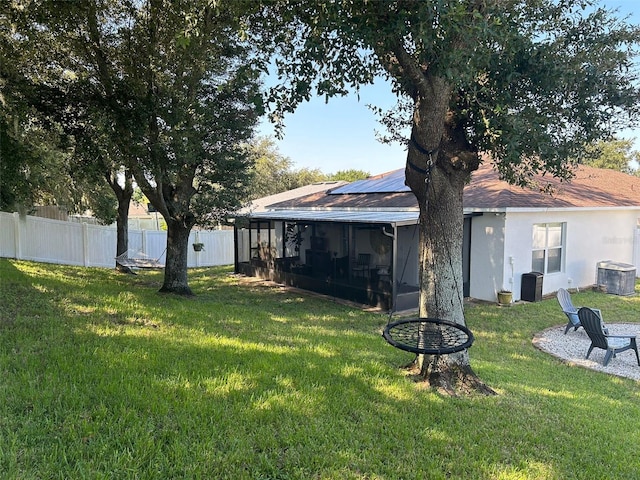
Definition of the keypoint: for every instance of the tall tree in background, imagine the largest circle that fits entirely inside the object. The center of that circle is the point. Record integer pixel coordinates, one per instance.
(527, 81)
(273, 173)
(350, 175)
(99, 161)
(614, 155)
(34, 170)
(34, 156)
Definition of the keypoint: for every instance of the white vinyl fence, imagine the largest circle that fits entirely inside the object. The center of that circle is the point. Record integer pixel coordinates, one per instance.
(69, 243)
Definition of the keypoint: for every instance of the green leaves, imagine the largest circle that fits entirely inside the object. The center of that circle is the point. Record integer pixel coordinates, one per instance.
(614, 154)
(531, 77)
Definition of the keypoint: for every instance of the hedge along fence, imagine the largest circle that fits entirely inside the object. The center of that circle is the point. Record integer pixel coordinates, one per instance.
(24, 237)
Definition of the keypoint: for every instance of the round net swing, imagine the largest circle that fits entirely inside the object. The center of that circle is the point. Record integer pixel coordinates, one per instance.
(429, 336)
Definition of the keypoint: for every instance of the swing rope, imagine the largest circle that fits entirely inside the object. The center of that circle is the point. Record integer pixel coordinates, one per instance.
(427, 181)
(428, 336)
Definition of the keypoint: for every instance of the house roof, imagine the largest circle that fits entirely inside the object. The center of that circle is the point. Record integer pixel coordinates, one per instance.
(391, 182)
(590, 188)
(138, 210)
(393, 201)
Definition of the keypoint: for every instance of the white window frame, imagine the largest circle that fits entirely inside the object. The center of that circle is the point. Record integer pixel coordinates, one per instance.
(544, 241)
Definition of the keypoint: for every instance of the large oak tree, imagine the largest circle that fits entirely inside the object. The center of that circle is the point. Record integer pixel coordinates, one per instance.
(527, 82)
(192, 76)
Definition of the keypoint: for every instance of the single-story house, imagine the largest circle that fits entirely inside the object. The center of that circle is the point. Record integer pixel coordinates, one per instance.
(359, 241)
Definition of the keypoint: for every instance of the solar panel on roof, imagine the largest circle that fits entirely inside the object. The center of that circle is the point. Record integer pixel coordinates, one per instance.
(392, 182)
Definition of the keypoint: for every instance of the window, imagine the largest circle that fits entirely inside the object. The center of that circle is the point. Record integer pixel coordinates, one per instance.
(548, 246)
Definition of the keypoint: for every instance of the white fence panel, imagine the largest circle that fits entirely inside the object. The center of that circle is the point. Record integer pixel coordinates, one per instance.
(101, 246)
(136, 243)
(52, 241)
(218, 248)
(155, 244)
(8, 232)
(69, 243)
(151, 243)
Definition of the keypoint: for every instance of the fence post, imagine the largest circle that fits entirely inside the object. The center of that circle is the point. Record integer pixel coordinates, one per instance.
(16, 235)
(144, 242)
(85, 244)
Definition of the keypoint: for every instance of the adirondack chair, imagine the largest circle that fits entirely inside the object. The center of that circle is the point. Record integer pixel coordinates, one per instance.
(591, 321)
(564, 299)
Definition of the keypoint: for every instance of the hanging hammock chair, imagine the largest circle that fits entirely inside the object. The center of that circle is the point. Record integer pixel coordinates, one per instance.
(139, 260)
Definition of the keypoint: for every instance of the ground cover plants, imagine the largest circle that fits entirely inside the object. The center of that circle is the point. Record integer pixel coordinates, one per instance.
(102, 377)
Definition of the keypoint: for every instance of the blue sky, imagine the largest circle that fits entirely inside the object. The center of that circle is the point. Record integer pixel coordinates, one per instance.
(341, 135)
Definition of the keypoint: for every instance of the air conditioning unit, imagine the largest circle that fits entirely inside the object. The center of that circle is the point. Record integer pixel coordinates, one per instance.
(616, 277)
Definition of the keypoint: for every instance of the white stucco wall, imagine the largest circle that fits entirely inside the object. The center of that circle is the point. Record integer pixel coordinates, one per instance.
(636, 249)
(501, 245)
(486, 266)
(591, 236)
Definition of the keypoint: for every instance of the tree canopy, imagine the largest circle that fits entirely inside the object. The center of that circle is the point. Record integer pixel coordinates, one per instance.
(35, 156)
(529, 81)
(614, 154)
(190, 82)
(162, 90)
(274, 173)
(271, 172)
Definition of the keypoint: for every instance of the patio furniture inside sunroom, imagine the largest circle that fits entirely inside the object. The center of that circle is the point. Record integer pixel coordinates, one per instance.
(367, 257)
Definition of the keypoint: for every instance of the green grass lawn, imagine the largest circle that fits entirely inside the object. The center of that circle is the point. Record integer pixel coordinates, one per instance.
(102, 377)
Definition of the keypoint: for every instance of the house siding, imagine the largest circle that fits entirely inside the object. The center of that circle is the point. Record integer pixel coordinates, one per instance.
(590, 237)
(487, 274)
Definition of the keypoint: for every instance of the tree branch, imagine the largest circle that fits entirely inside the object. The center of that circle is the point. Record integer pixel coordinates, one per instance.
(410, 70)
(96, 48)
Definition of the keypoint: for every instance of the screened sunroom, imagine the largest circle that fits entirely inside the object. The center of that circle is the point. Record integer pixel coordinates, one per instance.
(369, 257)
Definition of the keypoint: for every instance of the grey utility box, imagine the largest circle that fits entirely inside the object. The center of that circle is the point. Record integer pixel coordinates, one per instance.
(618, 278)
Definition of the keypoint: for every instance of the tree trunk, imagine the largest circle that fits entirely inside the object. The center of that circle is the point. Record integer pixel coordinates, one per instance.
(439, 163)
(175, 270)
(123, 194)
(122, 228)
(441, 292)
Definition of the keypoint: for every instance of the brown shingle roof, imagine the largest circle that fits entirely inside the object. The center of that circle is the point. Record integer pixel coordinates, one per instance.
(264, 203)
(591, 187)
